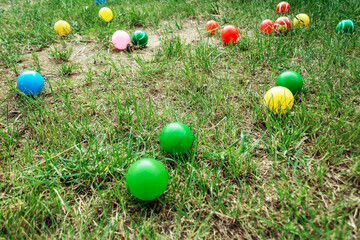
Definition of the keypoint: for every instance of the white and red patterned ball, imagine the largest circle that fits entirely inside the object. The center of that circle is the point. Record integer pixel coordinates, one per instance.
(282, 25)
(283, 7)
(267, 26)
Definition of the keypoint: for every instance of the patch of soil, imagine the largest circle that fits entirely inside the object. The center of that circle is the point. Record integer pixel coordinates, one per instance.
(5, 7)
(88, 54)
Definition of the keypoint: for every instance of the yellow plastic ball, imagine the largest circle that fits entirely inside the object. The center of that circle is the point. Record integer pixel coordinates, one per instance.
(302, 20)
(106, 14)
(62, 28)
(279, 99)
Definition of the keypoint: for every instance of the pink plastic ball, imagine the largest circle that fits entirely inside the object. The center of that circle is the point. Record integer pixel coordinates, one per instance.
(120, 39)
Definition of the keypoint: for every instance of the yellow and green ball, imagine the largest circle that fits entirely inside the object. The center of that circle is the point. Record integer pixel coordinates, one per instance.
(139, 39)
(301, 20)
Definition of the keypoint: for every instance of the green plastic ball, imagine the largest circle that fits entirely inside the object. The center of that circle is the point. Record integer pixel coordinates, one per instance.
(291, 80)
(176, 138)
(147, 179)
(139, 39)
(345, 26)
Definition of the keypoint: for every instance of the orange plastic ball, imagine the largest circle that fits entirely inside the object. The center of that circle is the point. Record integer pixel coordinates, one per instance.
(282, 25)
(229, 34)
(211, 26)
(267, 26)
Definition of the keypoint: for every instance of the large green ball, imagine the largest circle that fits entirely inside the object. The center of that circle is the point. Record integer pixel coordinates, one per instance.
(139, 39)
(147, 179)
(176, 138)
(291, 80)
(345, 26)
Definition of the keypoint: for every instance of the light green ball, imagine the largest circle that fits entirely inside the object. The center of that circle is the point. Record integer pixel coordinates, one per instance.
(176, 138)
(147, 179)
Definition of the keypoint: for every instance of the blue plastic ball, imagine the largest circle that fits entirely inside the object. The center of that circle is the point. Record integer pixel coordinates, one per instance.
(100, 2)
(30, 82)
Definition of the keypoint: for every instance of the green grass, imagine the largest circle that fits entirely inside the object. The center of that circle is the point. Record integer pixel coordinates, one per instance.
(251, 174)
(61, 55)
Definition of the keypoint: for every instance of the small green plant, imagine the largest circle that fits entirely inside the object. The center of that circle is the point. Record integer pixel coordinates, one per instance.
(9, 55)
(171, 48)
(179, 23)
(62, 55)
(14, 67)
(37, 65)
(66, 69)
(88, 74)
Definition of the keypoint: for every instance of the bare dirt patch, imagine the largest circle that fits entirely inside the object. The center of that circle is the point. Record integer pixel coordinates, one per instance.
(87, 54)
(5, 7)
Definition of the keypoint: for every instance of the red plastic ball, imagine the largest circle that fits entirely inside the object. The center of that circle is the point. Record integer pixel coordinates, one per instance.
(229, 34)
(212, 26)
(282, 25)
(267, 26)
(283, 7)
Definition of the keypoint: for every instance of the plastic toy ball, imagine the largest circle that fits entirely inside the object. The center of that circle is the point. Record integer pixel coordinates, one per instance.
(283, 7)
(267, 26)
(229, 34)
(120, 39)
(99, 2)
(139, 39)
(62, 28)
(301, 20)
(106, 14)
(211, 27)
(30, 82)
(345, 26)
(279, 99)
(147, 179)
(176, 138)
(291, 80)
(282, 25)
